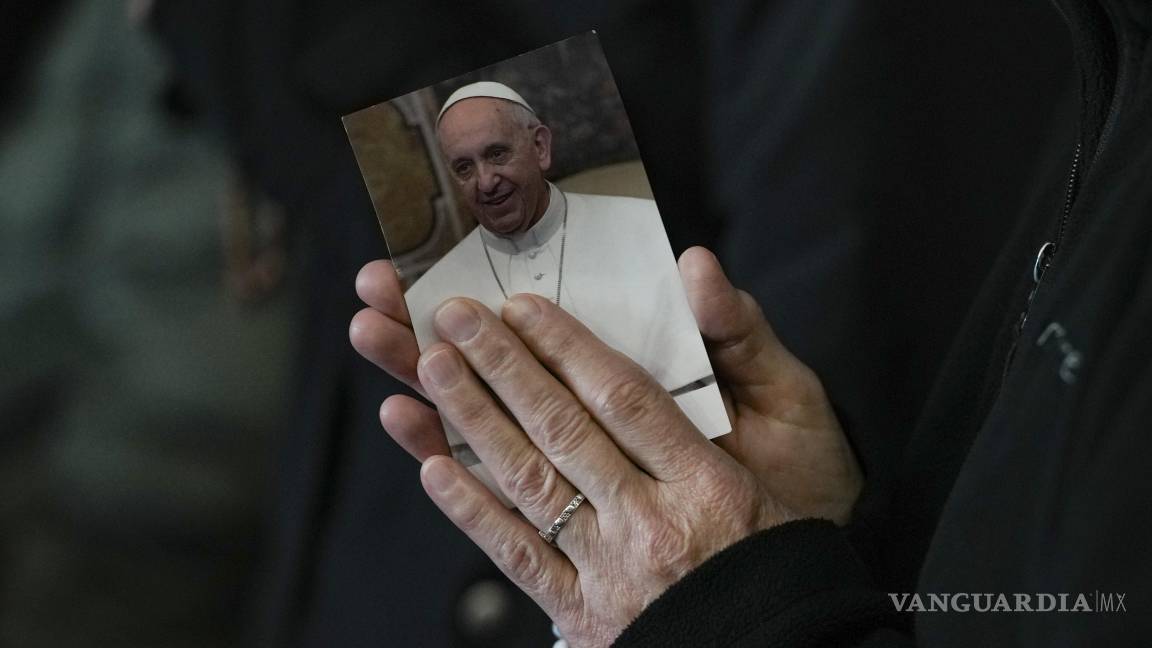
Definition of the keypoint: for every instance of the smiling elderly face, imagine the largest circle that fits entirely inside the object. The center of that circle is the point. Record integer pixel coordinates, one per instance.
(498, 152)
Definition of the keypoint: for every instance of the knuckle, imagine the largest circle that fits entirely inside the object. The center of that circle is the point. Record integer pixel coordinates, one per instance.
(732, 493)
(561, 343)
(751, 306)
(472, 518)
(744, 342)
(494, 357)
(472, 413)
(670, 550)
(532, 483)
(626, 399)
(722, 487)
(523, 563)
(808, 384)
(681, 462)
(730, 498)
(560, 426)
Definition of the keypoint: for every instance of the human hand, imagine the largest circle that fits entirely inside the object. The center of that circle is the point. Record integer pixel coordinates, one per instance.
(661, 499)
(552, 411)
(382, 333)
(783, 427)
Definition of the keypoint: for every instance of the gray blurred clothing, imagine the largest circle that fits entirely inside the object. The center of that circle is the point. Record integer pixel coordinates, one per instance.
(136, 400)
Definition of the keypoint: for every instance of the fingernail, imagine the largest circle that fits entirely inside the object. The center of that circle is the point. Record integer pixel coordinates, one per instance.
(442, 368)
(457, 321)
(439, 477)
(521, 312)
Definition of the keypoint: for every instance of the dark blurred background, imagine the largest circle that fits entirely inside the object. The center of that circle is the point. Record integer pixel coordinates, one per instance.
(189, 450)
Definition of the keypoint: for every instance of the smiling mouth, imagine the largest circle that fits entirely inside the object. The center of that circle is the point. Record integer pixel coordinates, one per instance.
(499, 200)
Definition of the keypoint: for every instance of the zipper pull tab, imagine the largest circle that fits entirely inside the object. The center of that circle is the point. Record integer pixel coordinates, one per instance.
(1043, 258)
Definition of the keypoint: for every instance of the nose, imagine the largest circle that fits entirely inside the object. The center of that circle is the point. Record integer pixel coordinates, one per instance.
(487, 179)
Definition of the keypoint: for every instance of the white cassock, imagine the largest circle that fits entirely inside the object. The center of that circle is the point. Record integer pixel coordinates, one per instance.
(619, 277)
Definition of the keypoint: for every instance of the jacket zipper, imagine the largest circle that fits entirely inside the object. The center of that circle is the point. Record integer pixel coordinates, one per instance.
(1044, 255)
(1069, 198)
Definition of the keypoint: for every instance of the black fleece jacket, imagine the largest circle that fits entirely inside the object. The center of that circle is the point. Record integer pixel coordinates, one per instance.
(1028, 472)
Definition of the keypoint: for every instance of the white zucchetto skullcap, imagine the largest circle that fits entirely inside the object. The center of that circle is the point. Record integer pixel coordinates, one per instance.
(483, 89)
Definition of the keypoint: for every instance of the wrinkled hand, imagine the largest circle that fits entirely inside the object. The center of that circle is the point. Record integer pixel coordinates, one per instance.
(579, 416)
(783, 427)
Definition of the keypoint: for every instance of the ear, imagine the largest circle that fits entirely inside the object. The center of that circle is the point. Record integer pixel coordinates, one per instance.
(542, 141)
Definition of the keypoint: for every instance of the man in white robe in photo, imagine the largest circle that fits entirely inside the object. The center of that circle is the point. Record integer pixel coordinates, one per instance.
(604, 259)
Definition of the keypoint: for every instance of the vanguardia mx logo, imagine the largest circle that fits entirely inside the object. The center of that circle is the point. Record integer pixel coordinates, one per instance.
(1096, 601)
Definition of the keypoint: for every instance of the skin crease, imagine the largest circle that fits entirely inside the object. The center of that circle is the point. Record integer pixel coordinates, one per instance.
(497, 162)
(575, 415)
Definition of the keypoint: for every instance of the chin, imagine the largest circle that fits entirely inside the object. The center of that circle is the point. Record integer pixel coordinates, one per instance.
(506, 224)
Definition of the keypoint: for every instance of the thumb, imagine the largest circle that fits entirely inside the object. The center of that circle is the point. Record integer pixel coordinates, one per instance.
(745, 353)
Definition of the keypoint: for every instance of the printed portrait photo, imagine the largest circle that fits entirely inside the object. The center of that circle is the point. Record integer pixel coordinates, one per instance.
(524, 177)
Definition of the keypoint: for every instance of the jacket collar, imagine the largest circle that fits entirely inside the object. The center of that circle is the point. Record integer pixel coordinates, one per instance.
(1094, 45)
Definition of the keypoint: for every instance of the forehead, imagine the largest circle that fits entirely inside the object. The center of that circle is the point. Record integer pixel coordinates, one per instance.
(475, 123)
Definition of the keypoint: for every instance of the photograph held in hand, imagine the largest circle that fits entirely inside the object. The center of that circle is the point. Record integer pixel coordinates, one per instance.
(494, 195)
(569, 357)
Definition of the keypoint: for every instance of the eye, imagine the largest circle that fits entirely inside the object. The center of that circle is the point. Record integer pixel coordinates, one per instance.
(500, 156)
(462, 169)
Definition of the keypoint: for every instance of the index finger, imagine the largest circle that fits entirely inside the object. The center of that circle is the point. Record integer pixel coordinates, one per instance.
(642, 418)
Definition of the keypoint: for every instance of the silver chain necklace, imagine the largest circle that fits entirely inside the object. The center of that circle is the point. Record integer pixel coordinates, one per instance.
(559, 273)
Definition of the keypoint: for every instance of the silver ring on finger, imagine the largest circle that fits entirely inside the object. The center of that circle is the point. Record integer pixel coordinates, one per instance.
(551, 532)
